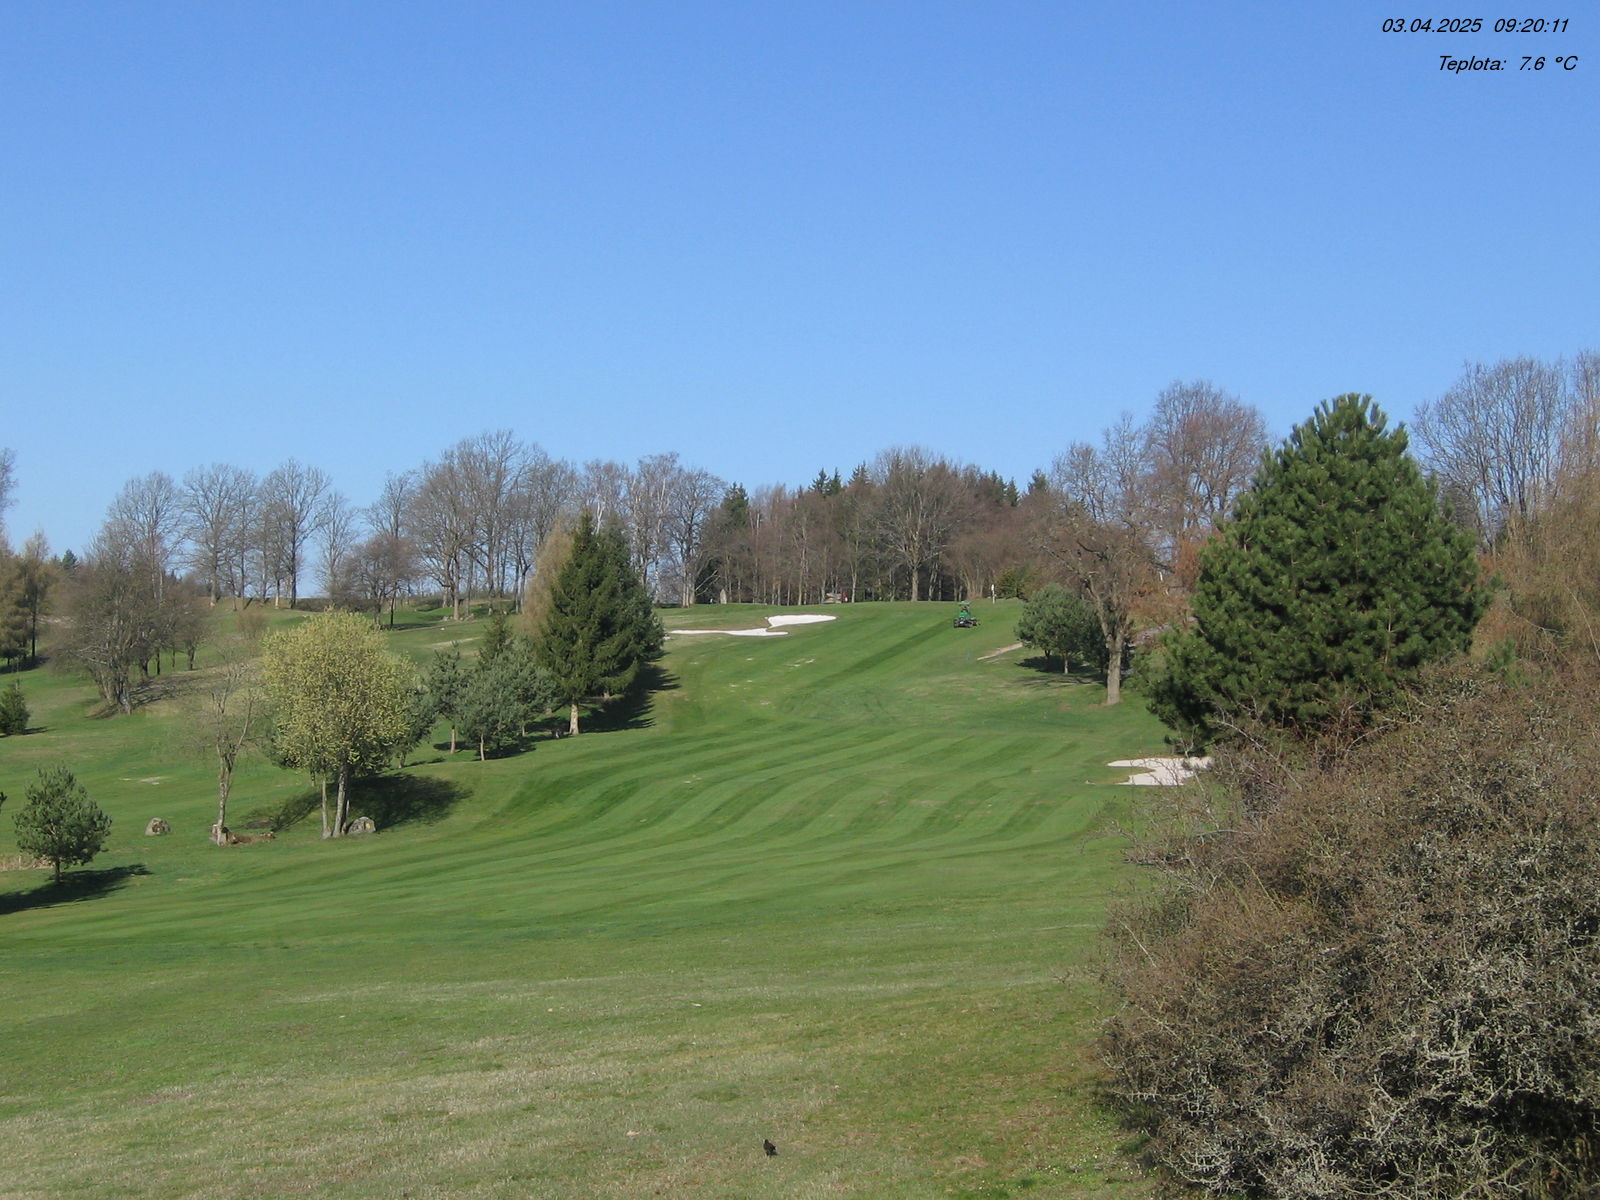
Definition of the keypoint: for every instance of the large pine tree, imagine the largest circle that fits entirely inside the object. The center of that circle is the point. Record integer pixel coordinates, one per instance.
(598, 627)
(1337, 577)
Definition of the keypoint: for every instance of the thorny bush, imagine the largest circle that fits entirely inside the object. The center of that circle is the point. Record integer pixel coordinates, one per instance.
(1375, 972)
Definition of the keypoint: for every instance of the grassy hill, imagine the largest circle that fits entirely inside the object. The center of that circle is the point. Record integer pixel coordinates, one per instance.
(838, 888)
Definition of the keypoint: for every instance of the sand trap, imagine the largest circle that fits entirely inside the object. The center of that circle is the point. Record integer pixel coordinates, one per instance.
(1002, 650)
(1162, 772)
(796, 619)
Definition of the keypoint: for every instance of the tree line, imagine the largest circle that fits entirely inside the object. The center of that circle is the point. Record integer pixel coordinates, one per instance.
(1116, 520)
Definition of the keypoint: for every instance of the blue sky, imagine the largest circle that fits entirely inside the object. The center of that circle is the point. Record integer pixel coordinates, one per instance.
(770, 237)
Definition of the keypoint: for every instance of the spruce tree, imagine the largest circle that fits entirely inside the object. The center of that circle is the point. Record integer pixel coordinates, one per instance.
(1338, 577)
(599, 628)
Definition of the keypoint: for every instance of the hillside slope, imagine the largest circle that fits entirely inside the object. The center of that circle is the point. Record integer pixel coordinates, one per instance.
(836, 888)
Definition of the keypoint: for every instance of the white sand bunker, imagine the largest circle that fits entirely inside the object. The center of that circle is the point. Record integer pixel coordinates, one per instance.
(1162, 772)
(796, 619)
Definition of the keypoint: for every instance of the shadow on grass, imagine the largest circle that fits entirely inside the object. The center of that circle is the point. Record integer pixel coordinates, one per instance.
(74, 886)
(392, 800)
(1041, 664)
(389, 800)
(632, 711)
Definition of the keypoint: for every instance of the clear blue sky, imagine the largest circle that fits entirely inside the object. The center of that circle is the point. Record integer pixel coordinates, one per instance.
(771, 237)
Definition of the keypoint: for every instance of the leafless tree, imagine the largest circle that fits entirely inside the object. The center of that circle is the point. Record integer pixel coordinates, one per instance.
(918, 509)
(224, 717)
(147, 520)
(336, 539)
(544, 500)
(387, 514)
(603, 489)
(1098, 532)
(441, 527)
(1201, 447)
(8, 465)
(216, 503)
(1495, 437)
(294, 507)
(491, 468)
(379, 572)
(113, 619)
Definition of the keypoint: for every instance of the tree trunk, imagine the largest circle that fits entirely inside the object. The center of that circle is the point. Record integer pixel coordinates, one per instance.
(324, 782)
(572, 727)
(1114, 668)
(482, 757)
(341, 812)
(224, 781)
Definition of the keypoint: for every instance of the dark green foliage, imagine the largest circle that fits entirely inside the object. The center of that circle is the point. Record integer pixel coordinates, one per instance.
(503, 696)
(13, 711)
(13, 612)
(445, 681)
(495, 639)
(1380, 976)
(599, 629)
(1014, 583)
(1337, 578)
(421, 714)
(60, 824)
(1062, 625)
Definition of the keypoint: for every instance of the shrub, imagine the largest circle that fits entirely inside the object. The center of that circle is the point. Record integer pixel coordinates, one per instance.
(1379, 975)
(13, 711)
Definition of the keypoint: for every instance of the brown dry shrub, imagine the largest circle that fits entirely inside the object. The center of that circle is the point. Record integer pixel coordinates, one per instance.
(1378, 974)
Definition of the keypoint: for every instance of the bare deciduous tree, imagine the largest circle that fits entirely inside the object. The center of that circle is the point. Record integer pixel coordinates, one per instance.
(1201, 446)
(918, 508)
(1494, 439)
(216, 503)
(294, 507)
(1097, 530)
(224, 716)
(8, 479)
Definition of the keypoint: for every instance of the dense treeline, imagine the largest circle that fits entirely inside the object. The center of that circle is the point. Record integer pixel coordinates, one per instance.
(1118, 520)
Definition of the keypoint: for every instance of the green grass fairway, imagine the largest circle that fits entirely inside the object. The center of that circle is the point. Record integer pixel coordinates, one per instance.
(840, 889)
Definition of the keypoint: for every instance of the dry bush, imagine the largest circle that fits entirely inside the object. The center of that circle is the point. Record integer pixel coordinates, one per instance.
(1378, 975)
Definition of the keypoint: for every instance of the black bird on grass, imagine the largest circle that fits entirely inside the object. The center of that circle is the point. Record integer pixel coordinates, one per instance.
(769, 1147)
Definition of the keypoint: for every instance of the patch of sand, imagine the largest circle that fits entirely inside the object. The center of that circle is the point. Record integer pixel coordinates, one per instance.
(796, 619)
(1162, 772)
(1002, 650)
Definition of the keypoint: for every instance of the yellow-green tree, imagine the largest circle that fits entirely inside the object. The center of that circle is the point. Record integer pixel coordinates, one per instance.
(339, 700)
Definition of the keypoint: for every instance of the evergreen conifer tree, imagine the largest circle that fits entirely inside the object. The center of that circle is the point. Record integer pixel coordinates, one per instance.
(495, 639)
(60, 823)
(1338, 576)
(599, 628)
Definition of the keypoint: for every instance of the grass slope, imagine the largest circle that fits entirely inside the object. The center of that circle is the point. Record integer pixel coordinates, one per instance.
(839, 889)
